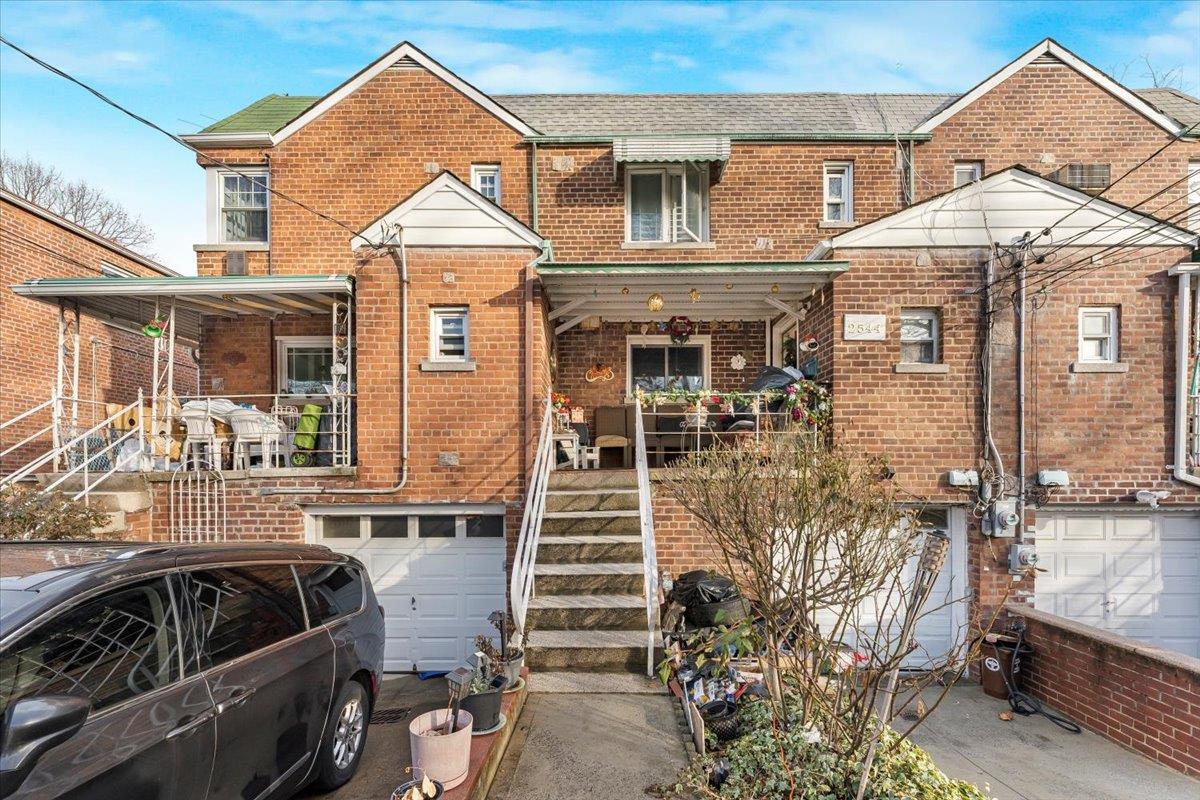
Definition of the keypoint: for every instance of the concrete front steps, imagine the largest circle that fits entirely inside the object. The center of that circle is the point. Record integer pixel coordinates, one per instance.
(119, 495)
(588, 613)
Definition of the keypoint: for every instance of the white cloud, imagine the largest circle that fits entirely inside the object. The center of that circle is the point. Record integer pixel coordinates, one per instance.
(1169, 47)
(673, 60)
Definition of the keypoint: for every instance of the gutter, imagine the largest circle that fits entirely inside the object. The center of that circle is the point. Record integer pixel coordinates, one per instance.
(250, 139)
(845, 136)
(822, 249)
(1183, 324)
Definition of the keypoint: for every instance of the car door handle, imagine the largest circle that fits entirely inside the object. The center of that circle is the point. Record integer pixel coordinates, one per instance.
(236, 699)
(190, 723)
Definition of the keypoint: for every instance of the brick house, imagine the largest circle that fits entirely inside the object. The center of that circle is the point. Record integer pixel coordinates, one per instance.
(487, 250)
(114, 359)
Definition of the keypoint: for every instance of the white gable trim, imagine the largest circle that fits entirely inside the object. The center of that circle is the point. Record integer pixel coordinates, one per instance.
(1005, 205)
(402, 52)
(1053, 48)
(448, 213)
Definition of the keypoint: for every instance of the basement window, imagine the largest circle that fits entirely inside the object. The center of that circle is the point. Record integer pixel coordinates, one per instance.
(839, 191)
(1098, 335)
(666, 204)
(919, 336)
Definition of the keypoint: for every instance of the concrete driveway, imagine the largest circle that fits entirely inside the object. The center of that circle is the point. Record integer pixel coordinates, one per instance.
(1030, 758)
(387, 757)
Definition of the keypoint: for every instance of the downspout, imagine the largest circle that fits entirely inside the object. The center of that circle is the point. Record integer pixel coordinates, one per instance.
(533, 188)
(1182, 335)
(402, 268)
(1022, 476)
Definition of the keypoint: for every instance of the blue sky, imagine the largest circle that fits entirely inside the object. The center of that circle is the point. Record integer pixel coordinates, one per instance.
(184, 64)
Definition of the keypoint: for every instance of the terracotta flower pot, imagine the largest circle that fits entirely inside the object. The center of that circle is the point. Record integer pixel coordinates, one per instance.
(445, 758)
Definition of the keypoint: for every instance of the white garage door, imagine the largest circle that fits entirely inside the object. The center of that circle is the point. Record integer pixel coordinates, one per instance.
(438, 577)
(1136, 573)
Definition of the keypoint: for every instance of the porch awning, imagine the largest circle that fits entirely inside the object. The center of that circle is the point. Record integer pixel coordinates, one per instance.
(722, 291)
(658, 149)
(131, 302)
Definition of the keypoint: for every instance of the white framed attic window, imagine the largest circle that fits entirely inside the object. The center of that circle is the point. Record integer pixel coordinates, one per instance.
(919, 332)
(839, 191)
(485, 179)
(449, 334)
(242, 206)
(1098, 340)
(967, 172)
(666, 205)
(303, 364)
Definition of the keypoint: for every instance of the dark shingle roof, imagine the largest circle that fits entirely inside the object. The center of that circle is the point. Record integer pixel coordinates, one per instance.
(791, 114)
(268, 114)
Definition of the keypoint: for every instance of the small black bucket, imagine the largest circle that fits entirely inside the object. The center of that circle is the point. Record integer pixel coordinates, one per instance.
(720, 717)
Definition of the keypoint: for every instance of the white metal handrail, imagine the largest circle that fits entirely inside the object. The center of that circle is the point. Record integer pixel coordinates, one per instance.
(646, 520)
(521, 586)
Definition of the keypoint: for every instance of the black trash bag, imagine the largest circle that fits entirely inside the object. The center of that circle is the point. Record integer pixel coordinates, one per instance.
(685, 586)
(715, 589)
(771, 378)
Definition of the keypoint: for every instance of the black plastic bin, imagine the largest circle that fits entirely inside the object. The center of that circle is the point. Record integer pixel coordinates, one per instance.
(999, 660)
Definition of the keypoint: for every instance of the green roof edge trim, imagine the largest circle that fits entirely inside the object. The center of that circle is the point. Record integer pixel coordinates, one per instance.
(667, 268)
(597, 138)
(184, 279)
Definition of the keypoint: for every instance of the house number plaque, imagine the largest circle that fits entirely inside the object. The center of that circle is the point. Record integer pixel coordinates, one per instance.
(864, 327)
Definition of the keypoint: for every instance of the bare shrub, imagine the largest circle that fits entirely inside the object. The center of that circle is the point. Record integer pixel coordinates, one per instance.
(26, 514)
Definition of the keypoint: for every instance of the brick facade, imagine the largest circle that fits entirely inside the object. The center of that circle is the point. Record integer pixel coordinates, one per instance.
(113, 363)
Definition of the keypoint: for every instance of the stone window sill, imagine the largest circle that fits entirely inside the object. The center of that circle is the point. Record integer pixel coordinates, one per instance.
(227, 247)
(836, 225)
(1088, 366)
(921, 369)
(447, 366)
(668, 245)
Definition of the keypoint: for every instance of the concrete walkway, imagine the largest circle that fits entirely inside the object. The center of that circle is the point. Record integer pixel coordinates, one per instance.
(591, 747)
(1030, 758)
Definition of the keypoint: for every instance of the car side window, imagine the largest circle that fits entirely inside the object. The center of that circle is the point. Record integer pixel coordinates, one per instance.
(108, 649)
(332, 590)
(235, 611)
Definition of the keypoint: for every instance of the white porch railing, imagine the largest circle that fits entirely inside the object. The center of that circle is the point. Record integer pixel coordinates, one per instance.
(525, 558)
(649, 553)
(45, 430)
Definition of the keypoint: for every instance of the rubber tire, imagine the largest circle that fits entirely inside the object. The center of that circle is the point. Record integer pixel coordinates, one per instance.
(329, 777)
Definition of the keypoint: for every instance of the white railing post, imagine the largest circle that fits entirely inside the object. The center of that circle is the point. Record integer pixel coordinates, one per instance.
(646, 520)
(525, 556)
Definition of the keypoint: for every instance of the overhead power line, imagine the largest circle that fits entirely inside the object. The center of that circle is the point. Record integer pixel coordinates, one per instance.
(173, 137)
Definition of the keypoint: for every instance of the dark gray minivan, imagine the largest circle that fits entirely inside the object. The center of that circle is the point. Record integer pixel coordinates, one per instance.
(183, 671)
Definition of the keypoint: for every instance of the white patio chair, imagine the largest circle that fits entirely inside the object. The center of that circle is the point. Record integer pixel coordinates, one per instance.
(201, 440)
(253, 428)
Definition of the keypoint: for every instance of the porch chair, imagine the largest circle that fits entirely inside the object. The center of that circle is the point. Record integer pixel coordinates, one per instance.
(201, 439)
(253, 428)
(613, 430)
(588, 455)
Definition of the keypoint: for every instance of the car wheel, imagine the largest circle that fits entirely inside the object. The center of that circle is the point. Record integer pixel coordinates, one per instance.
(347, 736)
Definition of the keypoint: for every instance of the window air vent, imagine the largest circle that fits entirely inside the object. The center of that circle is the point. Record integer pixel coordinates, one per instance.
(1085, 177)
(406, 63)
(1047, 60)
(235, 263)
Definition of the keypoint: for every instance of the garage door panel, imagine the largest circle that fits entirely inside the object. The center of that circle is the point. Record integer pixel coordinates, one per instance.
(1180, 528)
(439, 565)
(482, 564)
(1133, 528)
(1181, 566)
(388, 570)
(1179, 605)
(1084, 566)
(1141, 565)
(1082, 606)
(1084, 528)
(479, 606)
(433, 607)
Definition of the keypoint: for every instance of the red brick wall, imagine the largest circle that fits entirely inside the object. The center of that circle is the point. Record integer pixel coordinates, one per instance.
(1138, 696)
(116, 365)
(767, 190)
(1053, 111)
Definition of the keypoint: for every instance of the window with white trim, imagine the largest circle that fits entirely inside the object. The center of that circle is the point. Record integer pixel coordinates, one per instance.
(839, 191)
(304, 364)
(485, 179)
(244, 205)
(919, 332)
(666, 204)
(655, 363)
(1098, 335)
(967, 172)
(449, 332)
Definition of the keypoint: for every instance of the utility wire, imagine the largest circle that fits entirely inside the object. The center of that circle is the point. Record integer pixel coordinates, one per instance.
(256, 179)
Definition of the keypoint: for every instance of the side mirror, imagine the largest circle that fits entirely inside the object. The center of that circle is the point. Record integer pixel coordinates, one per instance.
(33, 726)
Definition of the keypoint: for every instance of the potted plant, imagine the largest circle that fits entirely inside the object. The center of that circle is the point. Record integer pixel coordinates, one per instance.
(485, 694)
(441, 739)
(418, 789)
(509, 657)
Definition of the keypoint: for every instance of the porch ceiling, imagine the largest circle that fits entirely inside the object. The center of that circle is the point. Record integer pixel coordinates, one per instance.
(130, 302)
(726, 291)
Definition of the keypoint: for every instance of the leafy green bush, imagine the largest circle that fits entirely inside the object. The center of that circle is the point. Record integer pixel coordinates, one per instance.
(27, 514)
(770, 764)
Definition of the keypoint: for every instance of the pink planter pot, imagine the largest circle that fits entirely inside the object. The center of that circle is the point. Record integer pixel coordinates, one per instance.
(443, 758)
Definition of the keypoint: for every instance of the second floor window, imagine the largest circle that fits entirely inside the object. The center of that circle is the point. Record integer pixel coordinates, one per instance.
(305, 364)
(839, 191)
(919, 336)
(967, 172)
(485, 179)
(244, 207)
(666, 204)
(1098, 335)
(449, 329)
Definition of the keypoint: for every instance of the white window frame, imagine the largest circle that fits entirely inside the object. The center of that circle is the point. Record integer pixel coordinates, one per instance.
(285, 343)
(1193, 201)
(967, 172)
(828, 170)
(477, 173)
(704, 342)
(935, 330)
(670, 235)
(110, 270)
(1113, 339)
(436, 313)
(216, 206)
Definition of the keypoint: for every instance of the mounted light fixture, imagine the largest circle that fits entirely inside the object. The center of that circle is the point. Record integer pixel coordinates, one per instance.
(655, 302)
(624, 290)
(694, 294)
(774, 288)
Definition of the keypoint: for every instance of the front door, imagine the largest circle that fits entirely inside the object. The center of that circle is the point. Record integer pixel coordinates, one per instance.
(270, 678)
(150, 733)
